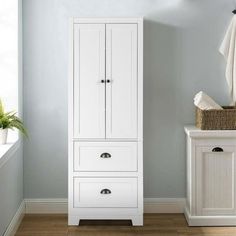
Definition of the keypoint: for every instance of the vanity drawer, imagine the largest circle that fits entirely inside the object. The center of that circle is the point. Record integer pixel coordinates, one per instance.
(105, 156)
(105, 192)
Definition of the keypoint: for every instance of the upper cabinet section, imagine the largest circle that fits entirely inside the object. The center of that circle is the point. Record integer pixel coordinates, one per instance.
(89, 72)
(107, 86)
(121, 71)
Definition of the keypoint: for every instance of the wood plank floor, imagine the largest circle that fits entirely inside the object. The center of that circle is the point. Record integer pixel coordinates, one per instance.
(154, 225)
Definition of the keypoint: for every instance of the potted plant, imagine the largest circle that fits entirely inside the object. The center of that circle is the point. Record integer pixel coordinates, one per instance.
(9, 120)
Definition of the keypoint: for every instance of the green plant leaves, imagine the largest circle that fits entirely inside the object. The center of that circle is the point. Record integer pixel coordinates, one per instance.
(1, 108)
(9, 120)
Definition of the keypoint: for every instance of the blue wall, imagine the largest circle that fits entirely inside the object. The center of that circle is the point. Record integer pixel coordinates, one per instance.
(181, 41)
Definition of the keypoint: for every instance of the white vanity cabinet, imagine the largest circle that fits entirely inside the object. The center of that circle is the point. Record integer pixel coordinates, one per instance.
(106, 119)
(211, 177)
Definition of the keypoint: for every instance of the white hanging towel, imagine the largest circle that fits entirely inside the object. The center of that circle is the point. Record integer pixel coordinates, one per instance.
(228, 50)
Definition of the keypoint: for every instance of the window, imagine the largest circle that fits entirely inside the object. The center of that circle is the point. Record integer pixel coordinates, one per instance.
(9, 56)
(9, 53)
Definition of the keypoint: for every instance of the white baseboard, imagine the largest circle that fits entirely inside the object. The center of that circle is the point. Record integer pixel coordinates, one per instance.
(16, 220)
(164, 205)
(46, 206)
(59, 206)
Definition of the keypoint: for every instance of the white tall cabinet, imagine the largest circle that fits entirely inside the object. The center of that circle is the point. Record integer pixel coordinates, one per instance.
(106, 119)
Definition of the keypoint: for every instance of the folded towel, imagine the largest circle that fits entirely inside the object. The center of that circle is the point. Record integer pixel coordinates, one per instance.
(204, 102)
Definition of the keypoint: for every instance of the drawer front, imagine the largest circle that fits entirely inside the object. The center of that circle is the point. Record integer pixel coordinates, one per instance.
(105, 192)
(112, 156)
(215, 180)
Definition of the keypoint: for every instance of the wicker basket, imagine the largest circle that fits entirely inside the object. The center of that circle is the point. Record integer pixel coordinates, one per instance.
(216, 119)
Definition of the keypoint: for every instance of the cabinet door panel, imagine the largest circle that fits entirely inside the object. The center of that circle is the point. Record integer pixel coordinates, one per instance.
(121, 70)
(215, 180)
(89, 70)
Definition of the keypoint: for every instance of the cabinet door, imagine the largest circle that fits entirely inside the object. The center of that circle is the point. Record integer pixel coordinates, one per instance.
(121, 75)
(215, 180)
(89, 71)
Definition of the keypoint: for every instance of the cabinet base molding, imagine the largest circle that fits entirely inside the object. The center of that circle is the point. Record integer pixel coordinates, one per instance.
(209, 220)
(137, 220)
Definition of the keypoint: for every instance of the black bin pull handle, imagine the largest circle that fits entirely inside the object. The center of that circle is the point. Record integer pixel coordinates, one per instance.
(105, 155)
(106, 191)
(217, 149)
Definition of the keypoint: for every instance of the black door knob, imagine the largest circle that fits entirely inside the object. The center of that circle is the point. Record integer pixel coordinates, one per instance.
(108, 81)
(102, 81)
(105, 155)
(217, 149)
(106, 191)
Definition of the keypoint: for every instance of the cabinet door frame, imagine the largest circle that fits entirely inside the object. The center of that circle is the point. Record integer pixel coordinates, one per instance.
(199, 179)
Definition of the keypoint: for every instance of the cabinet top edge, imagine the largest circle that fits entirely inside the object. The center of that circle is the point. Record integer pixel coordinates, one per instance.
(106, 20)
(193, 131)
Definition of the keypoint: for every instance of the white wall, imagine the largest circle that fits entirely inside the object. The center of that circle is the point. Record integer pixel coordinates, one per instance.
(181, 41)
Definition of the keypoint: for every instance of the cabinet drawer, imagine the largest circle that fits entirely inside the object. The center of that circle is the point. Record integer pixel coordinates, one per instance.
(215, 180)
(105, 192)
(112, 156)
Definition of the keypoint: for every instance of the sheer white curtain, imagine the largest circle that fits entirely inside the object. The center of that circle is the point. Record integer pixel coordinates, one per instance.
(9, 53)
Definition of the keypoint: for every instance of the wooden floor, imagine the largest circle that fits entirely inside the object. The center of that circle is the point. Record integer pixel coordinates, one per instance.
(154, 224)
